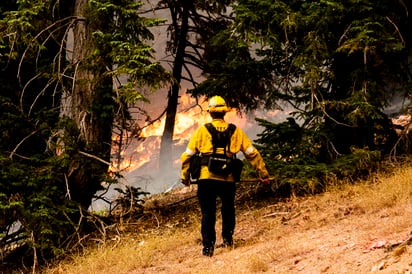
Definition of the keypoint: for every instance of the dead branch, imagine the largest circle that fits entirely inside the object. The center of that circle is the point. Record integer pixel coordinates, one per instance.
(20, 143)
(397, 30)
(174, 203)
(94, 157)
(40, 33)
(399, 245)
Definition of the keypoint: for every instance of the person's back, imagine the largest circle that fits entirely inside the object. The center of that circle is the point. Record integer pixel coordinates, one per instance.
(201, 142)
(212, 185)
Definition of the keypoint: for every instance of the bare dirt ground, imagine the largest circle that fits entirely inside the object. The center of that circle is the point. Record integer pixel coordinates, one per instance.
(339, 232)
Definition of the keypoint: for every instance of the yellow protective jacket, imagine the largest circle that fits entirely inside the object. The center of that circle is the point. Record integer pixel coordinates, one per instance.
(201, 141)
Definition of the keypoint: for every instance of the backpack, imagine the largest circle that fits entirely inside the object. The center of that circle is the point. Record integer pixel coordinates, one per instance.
(221, 164)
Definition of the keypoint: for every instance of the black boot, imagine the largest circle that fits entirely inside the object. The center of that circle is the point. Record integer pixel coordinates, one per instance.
(208, 251)
(227, 242)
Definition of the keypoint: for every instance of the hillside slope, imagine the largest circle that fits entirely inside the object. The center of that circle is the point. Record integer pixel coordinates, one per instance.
(361, 228)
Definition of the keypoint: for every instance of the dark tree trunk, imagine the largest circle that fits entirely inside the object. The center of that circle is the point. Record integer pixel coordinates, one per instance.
(89, 105)
(166, 146)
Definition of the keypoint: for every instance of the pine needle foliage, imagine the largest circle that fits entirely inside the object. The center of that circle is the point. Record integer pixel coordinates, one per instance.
(303, 161)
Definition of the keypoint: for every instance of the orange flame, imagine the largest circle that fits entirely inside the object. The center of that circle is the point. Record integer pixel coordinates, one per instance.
(188, 119)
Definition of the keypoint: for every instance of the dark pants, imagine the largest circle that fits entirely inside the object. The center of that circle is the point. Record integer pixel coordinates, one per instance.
(207, 193)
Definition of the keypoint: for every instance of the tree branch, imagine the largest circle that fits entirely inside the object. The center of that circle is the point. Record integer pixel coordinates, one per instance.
(94, 157)
(20, 143)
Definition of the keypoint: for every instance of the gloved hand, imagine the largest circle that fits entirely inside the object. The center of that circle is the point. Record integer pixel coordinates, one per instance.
(186, 182)
(265, 181)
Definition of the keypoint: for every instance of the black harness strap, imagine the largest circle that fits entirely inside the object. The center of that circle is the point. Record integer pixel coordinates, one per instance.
(221, 164)
(221, 139)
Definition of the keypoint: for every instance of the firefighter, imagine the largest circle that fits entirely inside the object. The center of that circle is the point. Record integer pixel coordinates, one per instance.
(211, 185)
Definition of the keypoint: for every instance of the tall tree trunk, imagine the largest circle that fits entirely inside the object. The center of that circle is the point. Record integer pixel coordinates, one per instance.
(166, 146)
(91, 95)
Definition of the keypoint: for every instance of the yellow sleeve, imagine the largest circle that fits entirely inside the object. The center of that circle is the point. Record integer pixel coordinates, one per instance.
(185, 157)
(185, 166)
(256, 161)
(251, 153)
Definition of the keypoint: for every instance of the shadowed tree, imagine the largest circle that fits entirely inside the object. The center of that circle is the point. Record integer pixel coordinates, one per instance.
(192, 23)
(108, 41)
(59, 100)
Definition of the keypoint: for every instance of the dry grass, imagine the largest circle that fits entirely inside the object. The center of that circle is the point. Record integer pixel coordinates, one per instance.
(327, 233)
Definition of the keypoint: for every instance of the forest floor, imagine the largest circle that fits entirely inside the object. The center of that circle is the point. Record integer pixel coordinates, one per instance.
(359, 228)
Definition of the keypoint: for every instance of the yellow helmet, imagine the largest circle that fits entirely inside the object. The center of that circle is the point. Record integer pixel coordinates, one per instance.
(217, 104)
